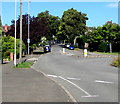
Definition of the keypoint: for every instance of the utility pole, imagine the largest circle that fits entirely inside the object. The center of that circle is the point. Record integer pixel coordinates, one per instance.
(15, 38)
(20, 53)
(28, 40)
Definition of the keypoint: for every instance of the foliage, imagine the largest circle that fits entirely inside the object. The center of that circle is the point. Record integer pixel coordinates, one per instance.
(73, 23)
(52, 22)
(44, 41)
(38, 29)
(8, 45)
(103, 47)
(116, 62)
(98, 37)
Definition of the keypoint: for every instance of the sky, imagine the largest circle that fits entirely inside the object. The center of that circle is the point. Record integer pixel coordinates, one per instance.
(97, 12)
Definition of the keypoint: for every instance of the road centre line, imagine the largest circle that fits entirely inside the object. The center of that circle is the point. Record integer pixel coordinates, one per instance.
(73, 78)
(101, 81)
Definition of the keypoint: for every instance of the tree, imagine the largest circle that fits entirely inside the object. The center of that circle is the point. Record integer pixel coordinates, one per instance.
(111, 32)
(73, 24)
(38, 29)
(100, 37)
(52, 22)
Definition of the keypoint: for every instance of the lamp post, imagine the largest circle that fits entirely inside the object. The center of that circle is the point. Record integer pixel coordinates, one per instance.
(15, 38)
(28, 40)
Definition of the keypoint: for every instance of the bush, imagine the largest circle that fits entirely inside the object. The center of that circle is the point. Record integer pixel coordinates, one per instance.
(103, 47)
(8, 46)
(116, 62)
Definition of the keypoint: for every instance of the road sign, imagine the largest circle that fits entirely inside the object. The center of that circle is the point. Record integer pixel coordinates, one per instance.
(28, 40)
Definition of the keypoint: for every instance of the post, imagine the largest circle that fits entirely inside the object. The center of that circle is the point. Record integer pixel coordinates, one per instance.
(63, 50)
(20, 53)
(15, 38)
(85, 52)
(110, 45)
(28, 26)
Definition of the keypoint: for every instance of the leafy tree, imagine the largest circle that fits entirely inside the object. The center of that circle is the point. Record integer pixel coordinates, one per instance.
(38, 28)
(111, 33)
(73, 24)
(102, 36)
(52, 22)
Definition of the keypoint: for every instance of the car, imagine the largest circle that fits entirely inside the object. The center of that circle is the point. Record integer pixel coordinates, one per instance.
(71, 47)
(67, 45)
(47, 48)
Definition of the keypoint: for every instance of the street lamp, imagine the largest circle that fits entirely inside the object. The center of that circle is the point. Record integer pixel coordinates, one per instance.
(15, 37)
(28, 40)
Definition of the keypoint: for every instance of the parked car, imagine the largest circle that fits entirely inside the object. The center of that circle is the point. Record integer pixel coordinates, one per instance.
(71, 47)
(47, 48)
(67, 45)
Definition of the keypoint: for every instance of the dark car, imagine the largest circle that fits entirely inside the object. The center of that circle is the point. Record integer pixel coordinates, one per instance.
(47, 48)
(71, 47)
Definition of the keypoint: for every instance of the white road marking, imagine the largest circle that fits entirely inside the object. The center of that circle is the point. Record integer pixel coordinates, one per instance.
(74, 78)
(91, 96)
(52, 75)
(100, 81)
(88, 95)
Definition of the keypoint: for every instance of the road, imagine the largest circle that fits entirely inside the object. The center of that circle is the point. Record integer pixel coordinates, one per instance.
(87, 79)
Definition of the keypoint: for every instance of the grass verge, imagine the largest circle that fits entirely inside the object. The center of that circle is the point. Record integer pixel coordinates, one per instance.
(76, 49)
(24, 65)
(116, 62)
(108, 53)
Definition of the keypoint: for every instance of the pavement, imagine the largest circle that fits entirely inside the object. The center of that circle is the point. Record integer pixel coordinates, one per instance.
(28, 85)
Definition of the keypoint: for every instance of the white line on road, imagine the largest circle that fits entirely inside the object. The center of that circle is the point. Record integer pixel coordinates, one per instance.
(74, 78)
(52, 75)
(100, 81)
(88, 95)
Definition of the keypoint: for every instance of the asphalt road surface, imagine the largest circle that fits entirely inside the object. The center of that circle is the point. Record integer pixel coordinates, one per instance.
(87, 79)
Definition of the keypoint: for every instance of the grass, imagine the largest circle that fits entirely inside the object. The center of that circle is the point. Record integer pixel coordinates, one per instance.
(116, 62)
(24, 65)
(76, 49)
(108, 53)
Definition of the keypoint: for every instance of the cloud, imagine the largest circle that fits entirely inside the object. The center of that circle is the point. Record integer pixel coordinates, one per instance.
(113, 5)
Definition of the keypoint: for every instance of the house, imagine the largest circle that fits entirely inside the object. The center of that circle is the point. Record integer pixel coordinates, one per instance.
(6, 28)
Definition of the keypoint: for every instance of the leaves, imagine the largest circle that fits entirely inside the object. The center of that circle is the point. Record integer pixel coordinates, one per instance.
(73, 23)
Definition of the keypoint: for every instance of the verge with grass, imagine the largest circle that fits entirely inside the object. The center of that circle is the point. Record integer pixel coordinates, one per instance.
(76, 49)
(116, 62)
(108, 53)
(24, 65)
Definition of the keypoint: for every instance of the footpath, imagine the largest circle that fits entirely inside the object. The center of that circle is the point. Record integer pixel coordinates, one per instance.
(28, 85)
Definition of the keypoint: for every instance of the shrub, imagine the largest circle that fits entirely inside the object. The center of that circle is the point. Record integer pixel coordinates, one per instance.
(8, 46)
(103, 47)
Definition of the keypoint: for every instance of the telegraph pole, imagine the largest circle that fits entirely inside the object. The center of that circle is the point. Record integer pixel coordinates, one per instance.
(15, 38)
(28, 40)
(20, 53)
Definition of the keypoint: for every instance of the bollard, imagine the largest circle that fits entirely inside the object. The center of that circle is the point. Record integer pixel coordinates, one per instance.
(63, 50)
(85, 52)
